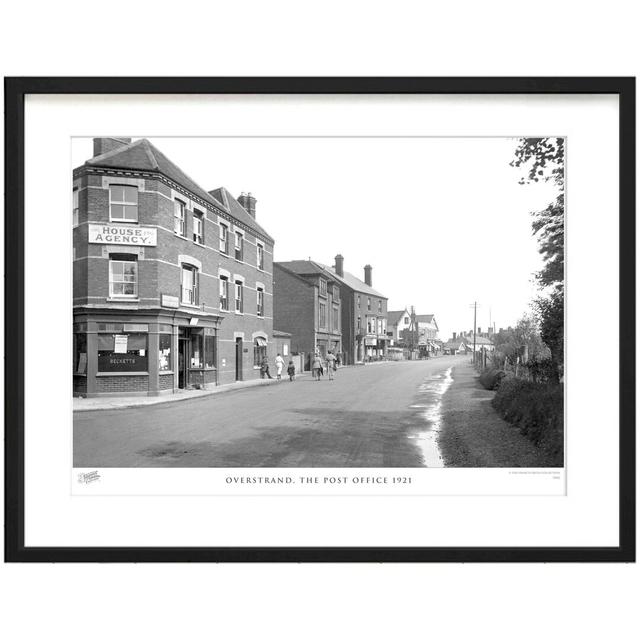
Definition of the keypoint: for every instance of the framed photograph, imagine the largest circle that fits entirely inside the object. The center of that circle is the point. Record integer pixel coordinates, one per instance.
(320, 319)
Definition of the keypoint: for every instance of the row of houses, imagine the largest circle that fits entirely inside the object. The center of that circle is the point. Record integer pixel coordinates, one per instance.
(466, 342)
(414, 334)
(175, 286)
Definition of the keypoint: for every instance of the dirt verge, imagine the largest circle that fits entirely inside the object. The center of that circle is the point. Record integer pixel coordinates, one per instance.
(474, 435)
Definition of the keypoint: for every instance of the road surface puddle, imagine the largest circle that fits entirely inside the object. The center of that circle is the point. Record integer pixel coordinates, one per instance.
(429, 404)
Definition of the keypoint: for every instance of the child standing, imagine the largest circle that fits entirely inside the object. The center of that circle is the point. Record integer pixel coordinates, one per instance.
(291, 370)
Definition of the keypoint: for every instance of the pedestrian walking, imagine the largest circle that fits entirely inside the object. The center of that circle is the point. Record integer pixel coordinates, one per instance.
(279, 366)
(316, 367)
(291, 370)
(331, 364)
(264, 369)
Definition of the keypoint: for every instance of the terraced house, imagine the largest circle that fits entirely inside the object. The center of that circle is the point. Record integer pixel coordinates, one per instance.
(364, 315)
(307, 304)
(172, 284)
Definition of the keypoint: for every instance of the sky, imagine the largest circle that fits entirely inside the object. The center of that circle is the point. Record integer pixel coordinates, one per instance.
(442, 221)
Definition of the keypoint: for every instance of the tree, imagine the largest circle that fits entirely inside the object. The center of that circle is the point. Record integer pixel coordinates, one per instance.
(524, 338)
(543, 160)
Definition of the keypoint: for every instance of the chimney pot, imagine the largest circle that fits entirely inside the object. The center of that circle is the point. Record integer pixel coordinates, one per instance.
(339, 266)
(248, 202)
(367, 274)
(103, 145)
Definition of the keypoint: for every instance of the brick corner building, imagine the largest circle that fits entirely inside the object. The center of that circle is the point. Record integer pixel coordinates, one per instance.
(172, 284)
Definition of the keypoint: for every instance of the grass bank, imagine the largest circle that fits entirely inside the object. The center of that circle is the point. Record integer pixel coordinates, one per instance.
(474, 435)
(537, 410)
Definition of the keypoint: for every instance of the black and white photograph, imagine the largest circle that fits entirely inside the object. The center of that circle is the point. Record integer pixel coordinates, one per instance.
(318, 302)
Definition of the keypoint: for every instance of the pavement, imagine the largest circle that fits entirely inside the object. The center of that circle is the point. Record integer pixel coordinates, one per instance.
(363, 418)
(103, 403)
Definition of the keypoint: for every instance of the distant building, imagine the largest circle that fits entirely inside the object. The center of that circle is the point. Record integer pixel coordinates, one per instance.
(428, 342)
(307, 304)
(397, 322)
(464, 343)
(457, 345)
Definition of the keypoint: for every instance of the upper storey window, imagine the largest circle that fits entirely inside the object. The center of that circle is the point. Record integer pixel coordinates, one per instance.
(123, 203)
(323, 287)
(260, 250)
(224, 238)
(179, 220)
(239, 246)
(198, 227)
(76, 208)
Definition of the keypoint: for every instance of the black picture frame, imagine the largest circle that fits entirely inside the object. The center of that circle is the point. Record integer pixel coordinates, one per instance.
(15, 91)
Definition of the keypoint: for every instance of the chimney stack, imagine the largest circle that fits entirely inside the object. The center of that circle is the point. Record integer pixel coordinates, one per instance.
(367, 274)
(339, 266)
(249, 203)
(103, 145)
(454, 335)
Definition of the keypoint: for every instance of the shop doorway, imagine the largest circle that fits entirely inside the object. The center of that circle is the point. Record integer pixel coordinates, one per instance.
(183, 362)
(238, 359)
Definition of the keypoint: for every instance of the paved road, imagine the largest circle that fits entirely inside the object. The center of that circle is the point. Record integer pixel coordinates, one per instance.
(364, 418)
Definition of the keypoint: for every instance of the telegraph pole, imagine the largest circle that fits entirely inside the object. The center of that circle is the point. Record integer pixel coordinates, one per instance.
(475, 311)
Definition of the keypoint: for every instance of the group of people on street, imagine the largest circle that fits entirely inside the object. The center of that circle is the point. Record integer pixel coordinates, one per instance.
(317, 367)
(265, 373)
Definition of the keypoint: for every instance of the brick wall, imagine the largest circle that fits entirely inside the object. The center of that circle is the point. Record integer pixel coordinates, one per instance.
(122, 384)
(166, 381)
(79, 385)
(295, 309)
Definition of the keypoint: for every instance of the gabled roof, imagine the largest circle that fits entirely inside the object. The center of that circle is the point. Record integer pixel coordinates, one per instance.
(428, 318)
(454, 344)
(141, 155)
(354, 283)
(307, 268)
(237, 210)
(393, 317)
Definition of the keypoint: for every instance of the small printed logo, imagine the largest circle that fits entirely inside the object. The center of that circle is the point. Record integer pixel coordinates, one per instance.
(90, 476)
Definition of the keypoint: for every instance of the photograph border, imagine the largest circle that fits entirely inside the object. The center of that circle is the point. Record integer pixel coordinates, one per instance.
(15, 91)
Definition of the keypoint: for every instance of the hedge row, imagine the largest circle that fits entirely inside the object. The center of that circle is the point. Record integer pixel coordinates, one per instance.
(537, 409)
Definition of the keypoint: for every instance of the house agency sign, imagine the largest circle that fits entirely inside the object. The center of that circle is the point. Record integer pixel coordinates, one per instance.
(114, 234)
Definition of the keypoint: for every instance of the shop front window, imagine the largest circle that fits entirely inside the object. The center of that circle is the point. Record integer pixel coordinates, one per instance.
(122, 352)
(196, 351)
(209, 351)
(164, 353)
(80, 353)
